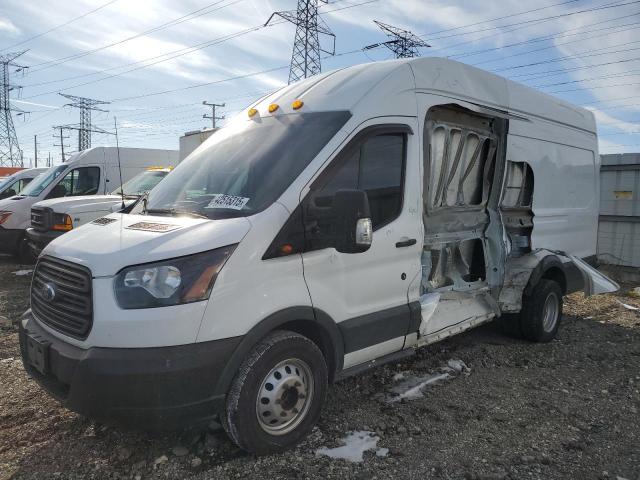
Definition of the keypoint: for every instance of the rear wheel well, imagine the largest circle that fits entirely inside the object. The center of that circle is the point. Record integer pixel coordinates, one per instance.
(314, 332)
(557, 275)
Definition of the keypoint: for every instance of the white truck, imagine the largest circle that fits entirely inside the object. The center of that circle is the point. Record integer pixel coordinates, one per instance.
(339, 223)
(14, 184)
(91, 172)
(54, 217)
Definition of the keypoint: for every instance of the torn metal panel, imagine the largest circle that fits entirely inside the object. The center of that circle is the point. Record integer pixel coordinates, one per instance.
(518, 271)
(594, 281)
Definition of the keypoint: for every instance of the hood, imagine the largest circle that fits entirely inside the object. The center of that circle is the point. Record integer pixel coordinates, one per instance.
(12, 203)
(81, 203)
(107, 248)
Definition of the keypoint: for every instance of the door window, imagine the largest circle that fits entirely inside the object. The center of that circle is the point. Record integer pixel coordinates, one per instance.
(376, 166)
(79, 181)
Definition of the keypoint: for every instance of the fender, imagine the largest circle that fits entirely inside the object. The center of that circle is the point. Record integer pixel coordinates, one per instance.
(546, 264)
(292, 318)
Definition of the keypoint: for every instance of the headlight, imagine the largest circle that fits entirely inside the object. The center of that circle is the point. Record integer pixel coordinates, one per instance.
(170, 282)
(62, 222)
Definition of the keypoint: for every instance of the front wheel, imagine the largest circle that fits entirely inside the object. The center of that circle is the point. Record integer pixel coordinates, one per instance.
(276, 396)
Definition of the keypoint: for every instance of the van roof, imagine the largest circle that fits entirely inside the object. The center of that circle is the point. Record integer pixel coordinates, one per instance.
(387, 81)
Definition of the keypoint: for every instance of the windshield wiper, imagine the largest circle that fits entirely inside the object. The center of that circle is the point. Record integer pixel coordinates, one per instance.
(173, 212)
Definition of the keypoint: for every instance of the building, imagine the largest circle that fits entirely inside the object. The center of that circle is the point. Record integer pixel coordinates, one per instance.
(619, 226)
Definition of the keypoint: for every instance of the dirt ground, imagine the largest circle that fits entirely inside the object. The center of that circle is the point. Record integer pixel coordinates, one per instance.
(567, 409)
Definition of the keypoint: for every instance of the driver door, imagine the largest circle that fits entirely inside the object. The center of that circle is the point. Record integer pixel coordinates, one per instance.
(366, 293)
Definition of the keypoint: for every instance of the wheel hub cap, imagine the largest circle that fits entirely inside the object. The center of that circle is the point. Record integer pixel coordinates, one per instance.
(284, 397)
(550, 312)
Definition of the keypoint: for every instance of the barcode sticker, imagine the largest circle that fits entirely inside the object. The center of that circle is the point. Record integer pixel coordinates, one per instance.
(221, 200)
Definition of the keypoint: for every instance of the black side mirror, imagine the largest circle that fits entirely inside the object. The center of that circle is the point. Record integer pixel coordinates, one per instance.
(354, 231)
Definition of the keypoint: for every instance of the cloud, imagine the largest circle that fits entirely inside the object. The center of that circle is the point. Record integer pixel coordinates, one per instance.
(7, 26)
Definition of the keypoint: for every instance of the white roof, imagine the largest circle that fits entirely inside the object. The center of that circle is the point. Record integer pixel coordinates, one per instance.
(386, 85)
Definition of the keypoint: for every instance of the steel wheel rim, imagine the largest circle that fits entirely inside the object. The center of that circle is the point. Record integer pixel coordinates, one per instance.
(284, 397)
(550, 312)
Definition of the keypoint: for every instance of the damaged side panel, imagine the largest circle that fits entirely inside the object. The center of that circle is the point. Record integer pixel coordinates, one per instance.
(463, 168)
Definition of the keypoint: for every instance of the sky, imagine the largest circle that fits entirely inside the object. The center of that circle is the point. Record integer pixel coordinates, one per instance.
(156, 61)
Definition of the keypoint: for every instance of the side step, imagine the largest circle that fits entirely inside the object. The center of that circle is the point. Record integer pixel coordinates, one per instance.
(363, 367)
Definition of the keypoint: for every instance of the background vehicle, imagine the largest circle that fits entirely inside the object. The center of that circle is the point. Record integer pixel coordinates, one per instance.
(91, 172)
(52, 218)
(337, 224)
(14, 184)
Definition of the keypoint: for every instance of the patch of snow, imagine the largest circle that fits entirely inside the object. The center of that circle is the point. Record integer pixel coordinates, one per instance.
(628, 307)
(354, 446)
(20, 273)
(412, 387)
(458, 366)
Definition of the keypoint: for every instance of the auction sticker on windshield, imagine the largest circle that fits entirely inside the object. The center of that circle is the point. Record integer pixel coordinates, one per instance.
(221, 200)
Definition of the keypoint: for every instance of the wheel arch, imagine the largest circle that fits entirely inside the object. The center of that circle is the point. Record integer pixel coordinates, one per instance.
(549, 268)
(307, 321)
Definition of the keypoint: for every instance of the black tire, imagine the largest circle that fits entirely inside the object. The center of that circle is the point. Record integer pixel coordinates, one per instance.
(240, 418)
(530, 323)
(535, 318)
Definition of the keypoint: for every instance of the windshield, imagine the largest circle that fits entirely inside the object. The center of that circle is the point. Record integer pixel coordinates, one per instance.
(246, 166)
(41, 182)
(141, 183)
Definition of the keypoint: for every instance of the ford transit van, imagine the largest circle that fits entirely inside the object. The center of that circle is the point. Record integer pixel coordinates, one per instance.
(95, 171)
(14, 184)
(339, 223)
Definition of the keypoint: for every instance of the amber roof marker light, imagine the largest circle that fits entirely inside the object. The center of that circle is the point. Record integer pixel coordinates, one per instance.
(252, 112)
(273, 107)
(297, 104)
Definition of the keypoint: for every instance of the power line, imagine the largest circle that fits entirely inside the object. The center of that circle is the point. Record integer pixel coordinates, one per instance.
(59, 26)
(189, 16)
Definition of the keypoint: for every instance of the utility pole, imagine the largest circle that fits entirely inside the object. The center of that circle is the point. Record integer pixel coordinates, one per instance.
(213, 112)
(49, 160)
(10, 153)
(403, 43)
(305, 59)
(84, 128)
(61, 144)
(35, 151)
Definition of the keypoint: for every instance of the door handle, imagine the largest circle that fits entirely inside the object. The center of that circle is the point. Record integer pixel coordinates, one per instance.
(406, 243)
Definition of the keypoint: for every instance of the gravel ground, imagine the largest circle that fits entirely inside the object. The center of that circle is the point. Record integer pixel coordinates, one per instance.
(567, 409)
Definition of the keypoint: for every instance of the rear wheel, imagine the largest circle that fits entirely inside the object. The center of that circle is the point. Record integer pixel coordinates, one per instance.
(277, 394)
(540, 316)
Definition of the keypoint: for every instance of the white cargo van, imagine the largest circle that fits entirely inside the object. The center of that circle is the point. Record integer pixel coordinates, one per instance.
(336, 224)
(14, 184)
(55, 217)
(90, 172)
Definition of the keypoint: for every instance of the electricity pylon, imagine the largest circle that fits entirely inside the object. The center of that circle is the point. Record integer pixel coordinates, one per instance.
(84, 128)
(10, 153)
(305, 59)
(403, 43)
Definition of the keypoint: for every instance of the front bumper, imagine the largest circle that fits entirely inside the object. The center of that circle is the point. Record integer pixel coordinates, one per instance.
(150, 388)
(9, 240)
(40, 239)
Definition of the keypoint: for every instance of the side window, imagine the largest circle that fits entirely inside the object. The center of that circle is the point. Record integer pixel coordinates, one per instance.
(79, 181)
(376, 166)
(518, 188)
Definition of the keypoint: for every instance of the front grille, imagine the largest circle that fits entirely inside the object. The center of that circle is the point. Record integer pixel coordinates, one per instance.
(61, 296)
(38, 220)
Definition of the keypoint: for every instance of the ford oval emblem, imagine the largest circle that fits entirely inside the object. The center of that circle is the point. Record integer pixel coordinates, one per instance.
(48, 292)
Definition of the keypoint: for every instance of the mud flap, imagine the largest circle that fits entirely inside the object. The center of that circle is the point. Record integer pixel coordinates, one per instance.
(594, 281)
